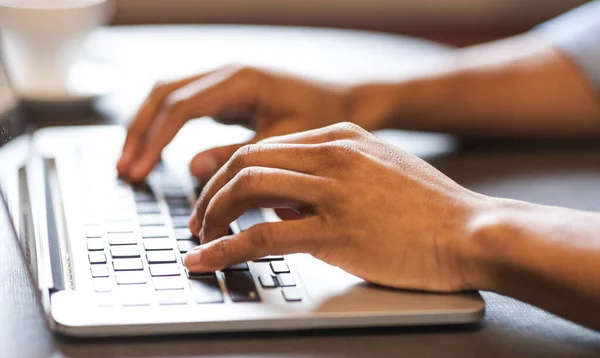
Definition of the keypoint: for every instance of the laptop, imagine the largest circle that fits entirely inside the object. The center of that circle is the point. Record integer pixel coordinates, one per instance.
(106, 257)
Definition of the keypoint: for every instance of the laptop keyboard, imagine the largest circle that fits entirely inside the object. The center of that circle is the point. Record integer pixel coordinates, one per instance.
(136, 249)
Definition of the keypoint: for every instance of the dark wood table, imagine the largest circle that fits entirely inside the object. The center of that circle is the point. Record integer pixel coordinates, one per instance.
(565, 174)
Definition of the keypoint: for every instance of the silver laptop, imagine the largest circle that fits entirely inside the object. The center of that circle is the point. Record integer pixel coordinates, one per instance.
(106, 257)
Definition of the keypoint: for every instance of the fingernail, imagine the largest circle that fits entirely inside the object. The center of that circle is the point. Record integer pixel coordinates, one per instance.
(193, 257)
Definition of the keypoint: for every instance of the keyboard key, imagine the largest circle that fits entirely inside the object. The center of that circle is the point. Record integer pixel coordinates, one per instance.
(249, 219)
(164, 270)
(279, 267)
(243, 266)
(194, 275)
(168, 283)
(144, 197)
(176, 199)
(151, 220)
(94, 231)
(131, 277)
(240, 285)
(184, 234)
(158, 244)
(125, 251)
(103, 284)
(99, 271)
(128, 265)
(95, 245)
(180, 210)
(172, 297)
(180, 221)
(97, 257)
(267, 281)
(148, 208)
(150, 232)
(206, 290)
(186, 245)
(161, 257)
(123, 239)
(120, 227)
(291, 294)
(269, 258)
(137, 295)
(285, 280)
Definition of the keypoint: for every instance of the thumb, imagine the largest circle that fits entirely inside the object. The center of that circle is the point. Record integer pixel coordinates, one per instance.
(205, 164)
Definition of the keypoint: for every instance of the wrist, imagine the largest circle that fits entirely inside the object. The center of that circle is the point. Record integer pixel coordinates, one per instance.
(492, 237)
(374, 106)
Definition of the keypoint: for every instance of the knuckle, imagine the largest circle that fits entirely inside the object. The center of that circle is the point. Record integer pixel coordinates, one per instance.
(349, 130)
(160, 91)
(345, 148)
(245, 72)
(262, 237)
(248, 178)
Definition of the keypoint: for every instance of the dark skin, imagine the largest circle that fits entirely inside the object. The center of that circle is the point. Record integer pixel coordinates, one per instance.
(370, 202)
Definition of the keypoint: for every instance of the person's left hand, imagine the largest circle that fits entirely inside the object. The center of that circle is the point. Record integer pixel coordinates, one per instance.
(363, 205)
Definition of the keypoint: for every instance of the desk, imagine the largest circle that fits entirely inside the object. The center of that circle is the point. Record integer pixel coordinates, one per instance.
(567, 175)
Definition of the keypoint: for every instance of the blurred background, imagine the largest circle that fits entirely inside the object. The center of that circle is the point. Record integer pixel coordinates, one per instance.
(455, 22)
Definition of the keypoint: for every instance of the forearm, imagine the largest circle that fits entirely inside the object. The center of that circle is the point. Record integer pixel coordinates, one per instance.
(516, 87)
(546, 256)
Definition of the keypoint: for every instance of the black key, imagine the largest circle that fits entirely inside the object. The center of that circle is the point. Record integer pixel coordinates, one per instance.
(291, 294)
(151, 220)
(131, 277)
(269, 258)
(279, 267)
(95, 245)
(243, 266)
(168, 283)
(99, 271)
(97, 257)
(194, 275)
(94, 231)
(240, 285)
(285, 280)
(128, 265)
(184, 234)
(267, 281)
(125, 251)
(158, 244)
(175, 196)
(123, 239)
(120, 227)
(249, 219)
(206, 290)
(180, 210)
(148, 208)
(172, 297)
(164, 270)
(186, 245)
(180, 222)
(161, 257)
(150, 232)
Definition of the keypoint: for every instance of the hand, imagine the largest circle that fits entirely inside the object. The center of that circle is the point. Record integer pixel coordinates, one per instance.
(363, 205)
(271, 104)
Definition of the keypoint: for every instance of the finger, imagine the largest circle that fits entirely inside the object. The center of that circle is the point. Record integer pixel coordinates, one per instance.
(208, 96)
(260, 187)
(281, 156)
(204, 165)
(143, 120)
(278, 238)
(288, 213)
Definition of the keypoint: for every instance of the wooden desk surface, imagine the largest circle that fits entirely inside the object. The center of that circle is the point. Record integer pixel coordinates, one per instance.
(568, 176)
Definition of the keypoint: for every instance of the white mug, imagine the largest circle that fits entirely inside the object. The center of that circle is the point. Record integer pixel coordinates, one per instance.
(41, 39)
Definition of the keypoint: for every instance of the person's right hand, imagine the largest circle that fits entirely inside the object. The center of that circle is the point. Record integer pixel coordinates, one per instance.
(269, 103)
